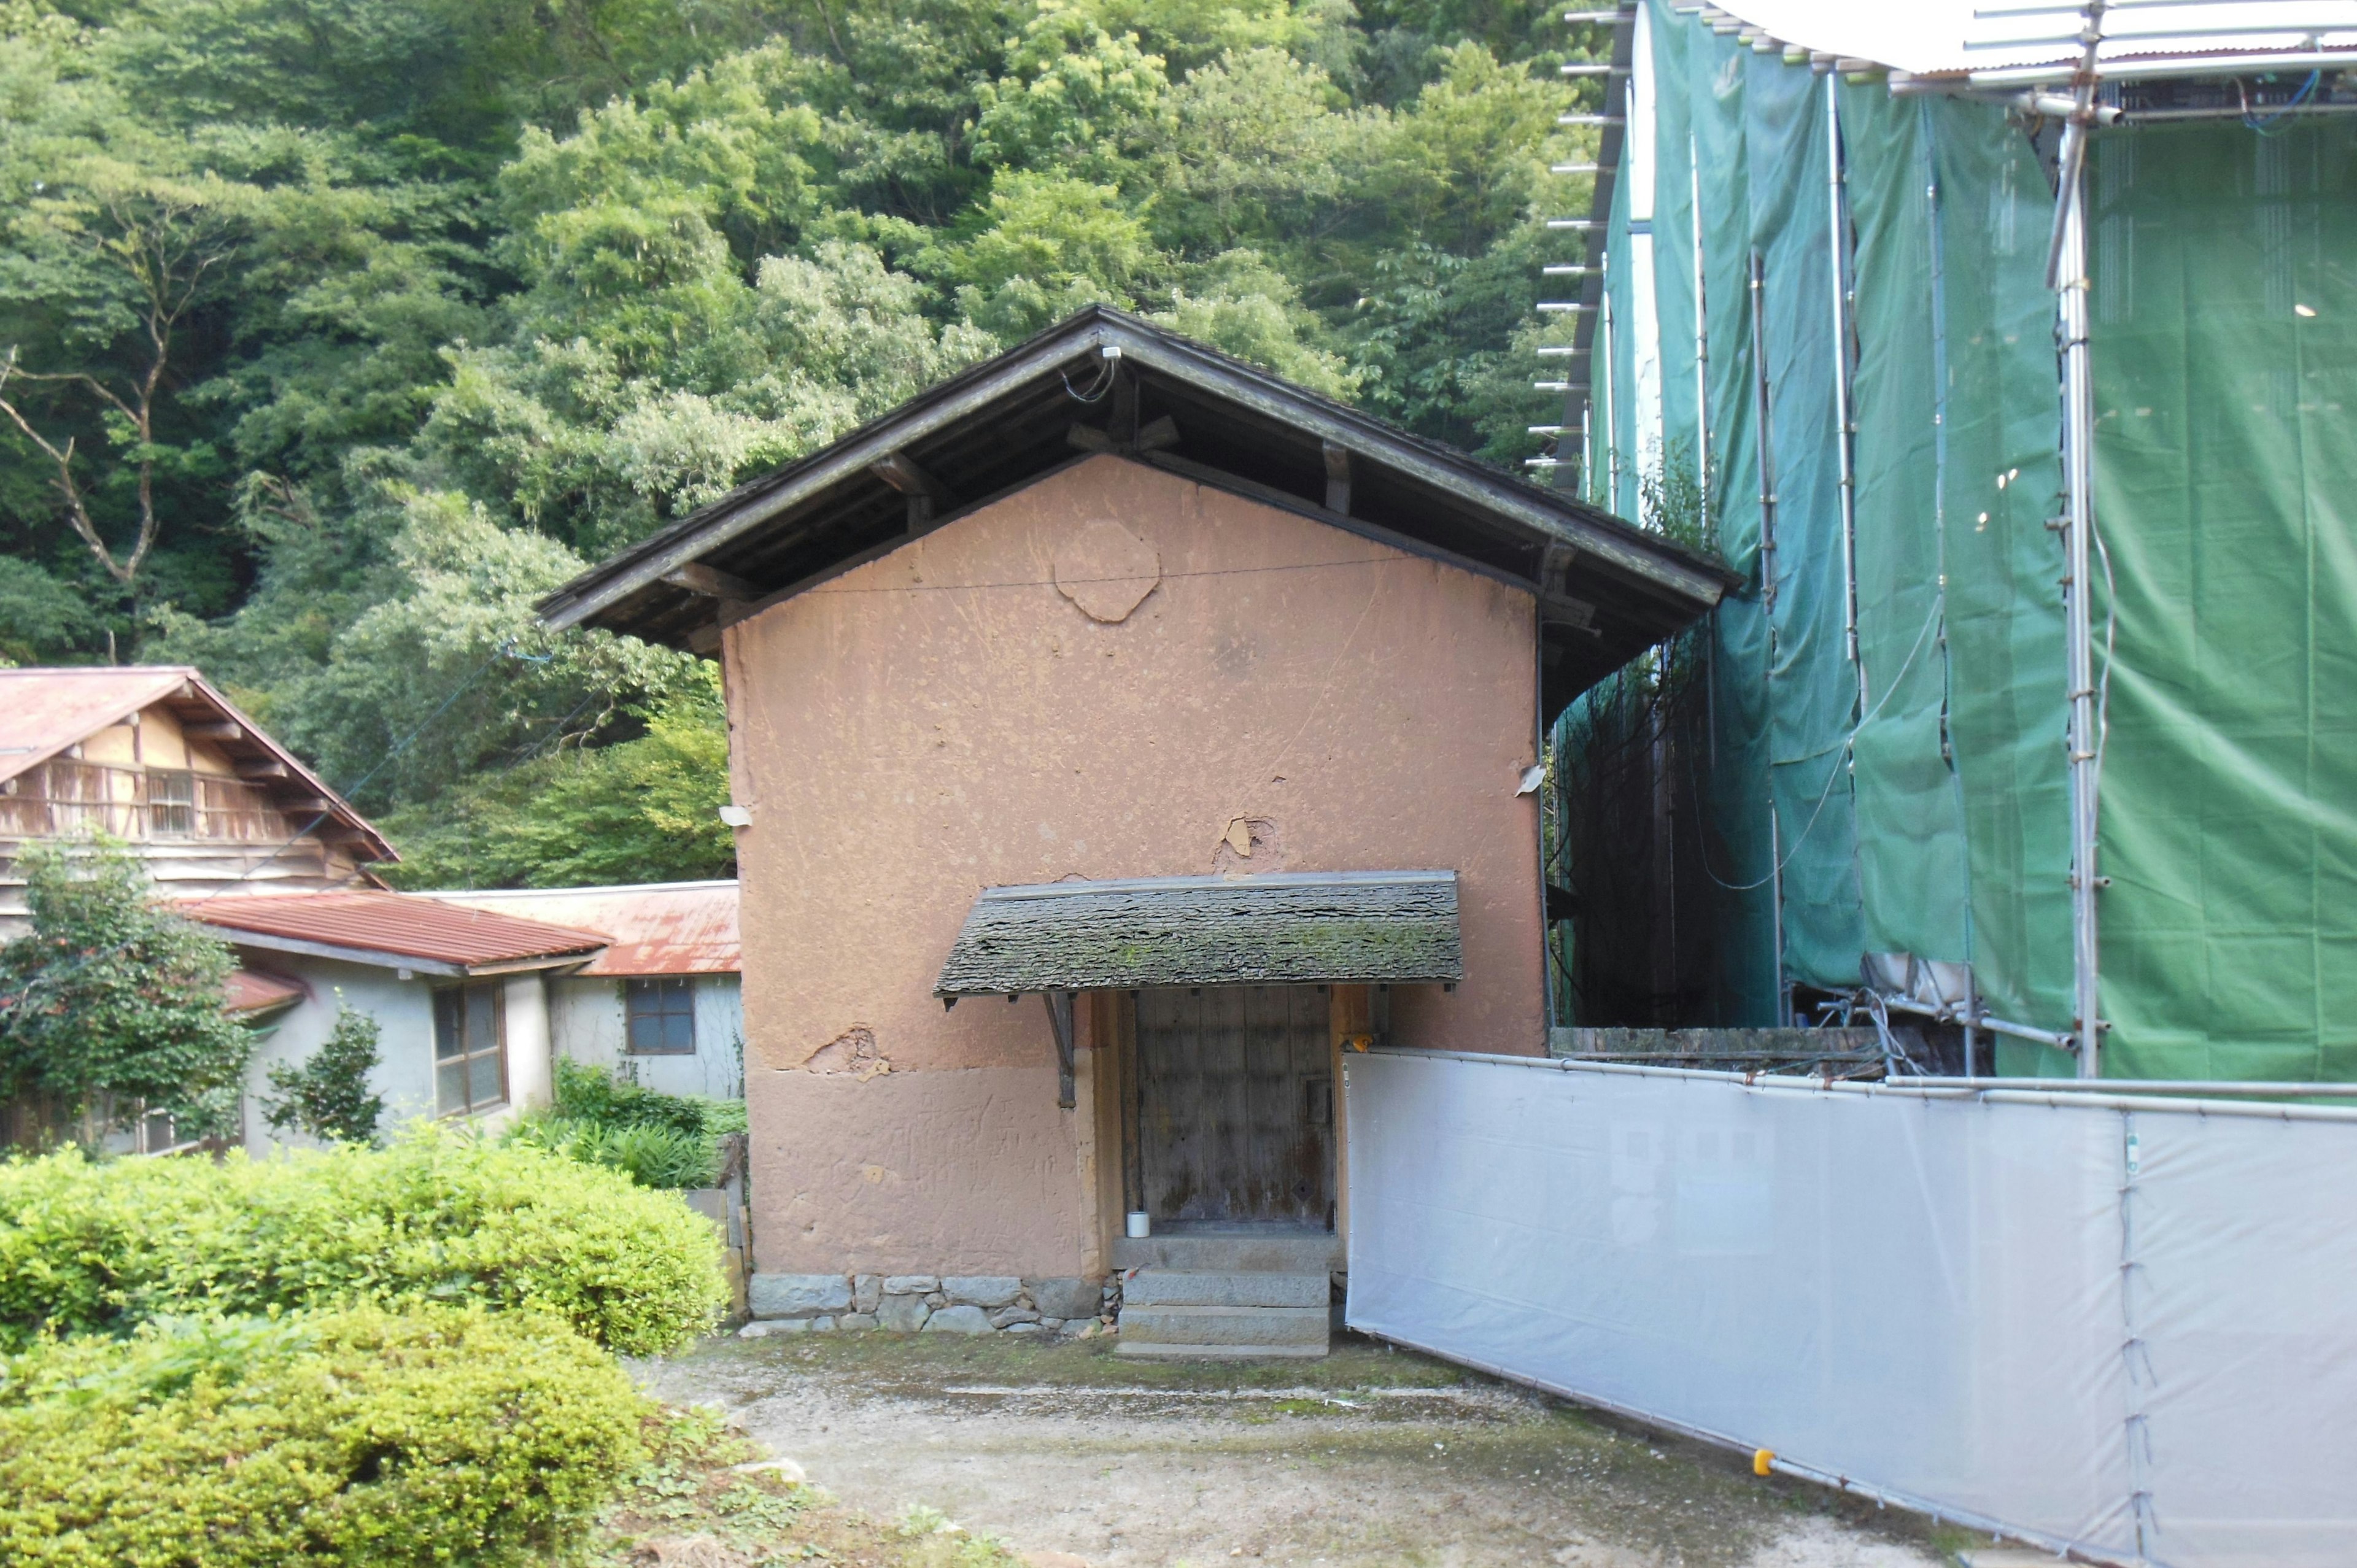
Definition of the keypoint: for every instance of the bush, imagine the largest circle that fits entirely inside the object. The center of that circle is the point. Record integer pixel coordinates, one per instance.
(437, 1435)
(650, 1154)
(658, 1140)
(586, 1093)
(437, 1217)
(328, 1094)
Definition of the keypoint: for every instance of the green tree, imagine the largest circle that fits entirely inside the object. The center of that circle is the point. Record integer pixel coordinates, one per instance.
(327, 1095)
(646, 810)
(368, 321)
(1074, 99)
(113, 1000)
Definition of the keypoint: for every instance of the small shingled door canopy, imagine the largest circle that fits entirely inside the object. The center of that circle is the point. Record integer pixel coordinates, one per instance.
(1350, 926)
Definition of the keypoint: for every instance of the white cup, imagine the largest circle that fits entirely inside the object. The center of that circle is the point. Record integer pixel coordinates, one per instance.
(1141, 1225)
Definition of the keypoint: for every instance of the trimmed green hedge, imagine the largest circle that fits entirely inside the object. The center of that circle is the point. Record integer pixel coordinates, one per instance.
(439, 1216)
(433, 1435)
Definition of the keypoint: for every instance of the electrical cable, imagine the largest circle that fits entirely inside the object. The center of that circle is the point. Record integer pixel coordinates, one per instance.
(1939, 608)
(2272, 125)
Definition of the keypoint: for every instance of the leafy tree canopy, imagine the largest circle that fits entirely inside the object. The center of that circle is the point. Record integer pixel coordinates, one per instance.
(113, 999)
(333, 332)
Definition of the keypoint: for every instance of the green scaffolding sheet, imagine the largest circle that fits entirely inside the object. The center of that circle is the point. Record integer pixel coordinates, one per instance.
(1964, 815)
(2224, 345)
(1886, 837)
(1920, 789)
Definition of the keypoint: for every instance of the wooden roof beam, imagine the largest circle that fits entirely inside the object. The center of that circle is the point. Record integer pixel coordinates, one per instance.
(710, 583)
(1337, 476)
(927, 496)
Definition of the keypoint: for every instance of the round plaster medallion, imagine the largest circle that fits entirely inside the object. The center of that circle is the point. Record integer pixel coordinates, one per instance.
(1106, 570)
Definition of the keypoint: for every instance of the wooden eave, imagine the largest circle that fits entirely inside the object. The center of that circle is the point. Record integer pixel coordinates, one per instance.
(1607, 590)
(292, 790)
(300, 793)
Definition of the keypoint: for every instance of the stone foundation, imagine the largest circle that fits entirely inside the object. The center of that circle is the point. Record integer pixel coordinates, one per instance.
(932, 1304)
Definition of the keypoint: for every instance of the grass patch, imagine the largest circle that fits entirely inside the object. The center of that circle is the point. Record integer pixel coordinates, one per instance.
(924, 1363)
(709, 1497)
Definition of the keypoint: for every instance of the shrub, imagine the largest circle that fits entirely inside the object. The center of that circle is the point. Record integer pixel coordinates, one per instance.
(586, 1093)
(650, 1154)
(658, 1140)
(437, 1435)
(328, 1095)
(437, 1217)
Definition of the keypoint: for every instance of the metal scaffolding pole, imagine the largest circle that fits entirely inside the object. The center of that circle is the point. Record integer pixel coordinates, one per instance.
(2066, 270)
(2078, 467)
(1845, 420)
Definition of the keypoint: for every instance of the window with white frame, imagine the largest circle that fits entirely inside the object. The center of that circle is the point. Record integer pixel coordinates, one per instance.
(471, 1047)
(662, 1016)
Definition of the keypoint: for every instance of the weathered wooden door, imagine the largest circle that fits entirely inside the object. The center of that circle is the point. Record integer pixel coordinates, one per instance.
(1236, 1104)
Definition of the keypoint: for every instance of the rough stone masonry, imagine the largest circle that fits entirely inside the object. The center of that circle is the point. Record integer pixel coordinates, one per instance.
(956, 1304)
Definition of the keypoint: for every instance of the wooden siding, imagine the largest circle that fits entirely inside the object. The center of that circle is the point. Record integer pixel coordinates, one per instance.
(193, 868)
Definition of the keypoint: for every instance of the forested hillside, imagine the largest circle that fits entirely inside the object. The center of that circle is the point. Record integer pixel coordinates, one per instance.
(334, 332)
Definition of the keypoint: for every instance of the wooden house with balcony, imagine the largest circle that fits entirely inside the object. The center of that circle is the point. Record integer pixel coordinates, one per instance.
(155, 757)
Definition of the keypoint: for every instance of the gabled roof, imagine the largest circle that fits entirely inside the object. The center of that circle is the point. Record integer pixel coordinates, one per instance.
(655, 928)
(1106, 381)
(393, 930)
(44, 711)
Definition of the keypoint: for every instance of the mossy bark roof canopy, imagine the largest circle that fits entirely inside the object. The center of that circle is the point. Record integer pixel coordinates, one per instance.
(1379, 927)
(1106, 381)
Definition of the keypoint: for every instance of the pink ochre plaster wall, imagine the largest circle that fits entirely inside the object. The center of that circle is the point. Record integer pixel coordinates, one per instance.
(960, 714)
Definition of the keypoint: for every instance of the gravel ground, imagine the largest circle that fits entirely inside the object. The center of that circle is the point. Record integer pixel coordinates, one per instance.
(1368, 1457)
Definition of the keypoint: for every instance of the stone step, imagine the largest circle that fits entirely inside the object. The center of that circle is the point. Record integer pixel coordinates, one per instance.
(1141, 1348)
(1231, 1326)
(1241, 1250)
(1182, 1287)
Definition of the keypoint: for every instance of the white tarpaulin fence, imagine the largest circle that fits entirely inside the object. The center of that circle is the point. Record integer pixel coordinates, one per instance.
(2123, 1328)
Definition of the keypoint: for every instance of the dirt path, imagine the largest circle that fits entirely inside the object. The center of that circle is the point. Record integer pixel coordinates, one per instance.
(1367, 1458)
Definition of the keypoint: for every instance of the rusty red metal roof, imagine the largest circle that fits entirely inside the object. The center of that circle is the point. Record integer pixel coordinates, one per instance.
(45, 710)
(251, 991)
(656, 927)
(42, 711)
(384, 927)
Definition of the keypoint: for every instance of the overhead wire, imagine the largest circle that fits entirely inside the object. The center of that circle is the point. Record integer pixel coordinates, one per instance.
(1939, 606)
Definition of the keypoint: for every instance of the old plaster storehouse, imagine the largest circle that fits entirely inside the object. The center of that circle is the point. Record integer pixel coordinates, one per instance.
(1184, 710)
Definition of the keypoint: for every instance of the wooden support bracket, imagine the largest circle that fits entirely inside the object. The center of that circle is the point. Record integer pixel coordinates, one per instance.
(927, 495)
(711, 583)
(258, 768)
(1338, 478)
(214, 729)
(1059, 1019)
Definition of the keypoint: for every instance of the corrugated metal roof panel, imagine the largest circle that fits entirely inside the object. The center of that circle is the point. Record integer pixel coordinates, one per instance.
(44, 711)
(396, 925)
(2141, 37)
(659, 928)
(250, 991)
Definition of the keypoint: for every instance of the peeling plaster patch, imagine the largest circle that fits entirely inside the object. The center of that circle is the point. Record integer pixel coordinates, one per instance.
(1248, 845)
(1106, 571)
(854, 1051)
